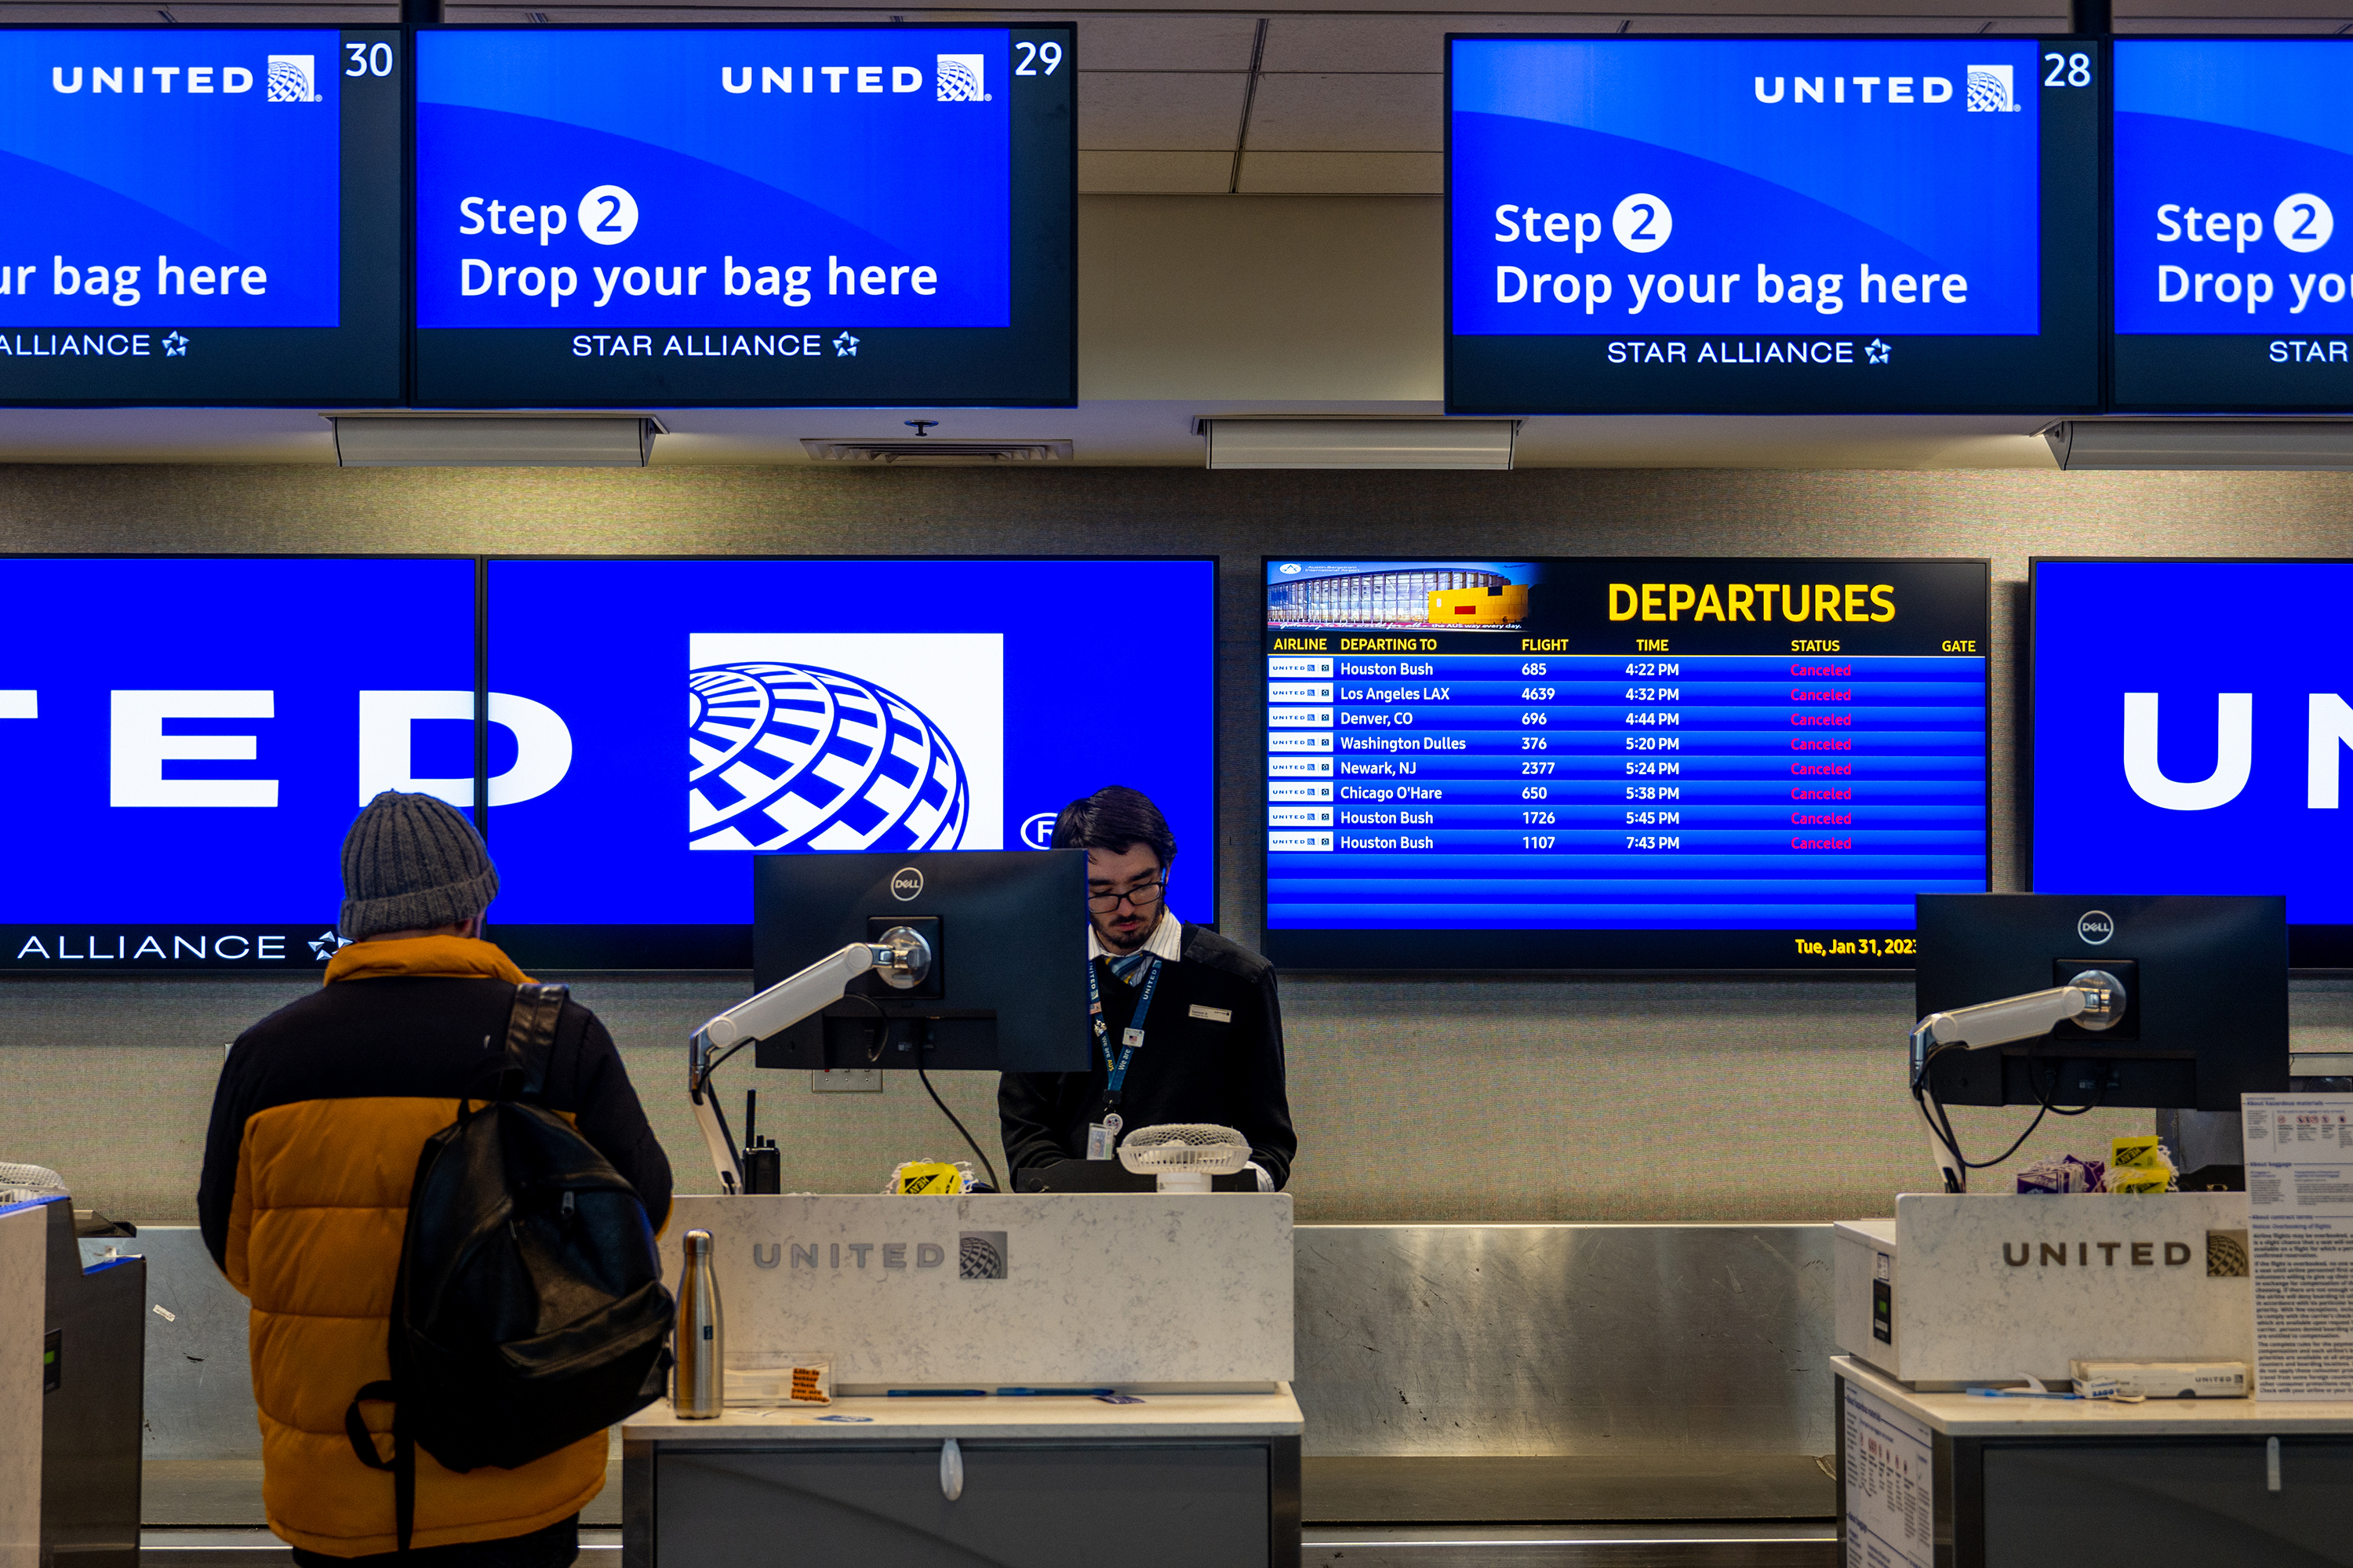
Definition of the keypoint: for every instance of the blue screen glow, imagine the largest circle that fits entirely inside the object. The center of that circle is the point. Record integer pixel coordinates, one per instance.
(2232, 160)
(723, 178)
(176, 176)
(831, 704)
(187, 740)
(1606, 187)
(2194, 763)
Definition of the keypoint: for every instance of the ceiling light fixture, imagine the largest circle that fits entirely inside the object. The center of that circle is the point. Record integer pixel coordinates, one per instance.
(494, 440)
(2280, 446)
(1359, 443)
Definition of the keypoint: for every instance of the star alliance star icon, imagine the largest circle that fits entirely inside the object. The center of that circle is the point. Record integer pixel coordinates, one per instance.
(846, 346)
(175, 346)
(326, 945)
(1875, 352)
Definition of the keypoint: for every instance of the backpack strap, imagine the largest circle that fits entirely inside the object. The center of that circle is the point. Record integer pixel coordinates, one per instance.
(531, 1039)
(402, 1463)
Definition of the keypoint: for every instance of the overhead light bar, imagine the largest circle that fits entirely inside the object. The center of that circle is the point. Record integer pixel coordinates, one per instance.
(1360, 443)
(2280, 446)
(493, 441)
(934, 451)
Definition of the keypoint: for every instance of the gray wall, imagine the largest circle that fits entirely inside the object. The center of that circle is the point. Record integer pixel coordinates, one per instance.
(1525, 1099)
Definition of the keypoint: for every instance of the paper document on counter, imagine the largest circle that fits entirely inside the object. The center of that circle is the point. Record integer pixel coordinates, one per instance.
(1890, 1490)
(2300, 1236)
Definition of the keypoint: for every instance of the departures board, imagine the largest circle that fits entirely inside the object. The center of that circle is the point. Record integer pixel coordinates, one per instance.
(1620, 764)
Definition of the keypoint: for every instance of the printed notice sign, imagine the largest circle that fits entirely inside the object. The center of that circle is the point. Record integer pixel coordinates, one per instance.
(1890, 1486)
(2300, 1235)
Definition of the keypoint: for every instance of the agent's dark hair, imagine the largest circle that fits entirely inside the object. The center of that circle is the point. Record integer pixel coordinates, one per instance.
(1116, 819)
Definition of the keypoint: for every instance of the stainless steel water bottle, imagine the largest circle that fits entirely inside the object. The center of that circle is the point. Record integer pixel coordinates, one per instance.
(702, 1390)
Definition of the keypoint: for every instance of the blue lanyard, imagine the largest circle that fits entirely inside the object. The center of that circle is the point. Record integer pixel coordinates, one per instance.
(1115, 1068)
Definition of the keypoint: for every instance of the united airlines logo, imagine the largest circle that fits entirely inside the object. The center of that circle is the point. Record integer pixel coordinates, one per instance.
(794, 757)
(1993, 90)
(294, 79)
(961, 80)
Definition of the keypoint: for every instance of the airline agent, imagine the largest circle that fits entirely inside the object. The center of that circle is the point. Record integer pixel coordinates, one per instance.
(1189, 1028)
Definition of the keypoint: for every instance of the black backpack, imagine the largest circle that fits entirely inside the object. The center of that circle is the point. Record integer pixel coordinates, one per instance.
(529, 1311)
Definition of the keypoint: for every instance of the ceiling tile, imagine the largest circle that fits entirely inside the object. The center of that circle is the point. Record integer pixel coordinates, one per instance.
(1333, 112)
(1155, 173)
(1166, 42)
(1159, 111)
(1343, 173)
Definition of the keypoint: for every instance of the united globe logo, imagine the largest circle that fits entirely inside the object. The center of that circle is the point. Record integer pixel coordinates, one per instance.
(794, 757)
(294, 79)
(962, 79)
(1992, 90)
(845, 741)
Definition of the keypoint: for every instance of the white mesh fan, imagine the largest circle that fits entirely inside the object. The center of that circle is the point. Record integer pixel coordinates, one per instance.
(23, 1183)
(1184, 1155)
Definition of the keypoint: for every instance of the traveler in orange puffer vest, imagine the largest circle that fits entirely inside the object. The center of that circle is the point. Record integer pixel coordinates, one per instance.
(322, 1110)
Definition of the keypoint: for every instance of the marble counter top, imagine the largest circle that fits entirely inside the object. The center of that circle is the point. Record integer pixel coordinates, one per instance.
(1274, 1415)
(1974, 1415)
(1099, 1290)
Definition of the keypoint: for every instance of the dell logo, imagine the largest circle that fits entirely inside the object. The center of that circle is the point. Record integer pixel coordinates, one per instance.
(906, 883)
(2095, 925)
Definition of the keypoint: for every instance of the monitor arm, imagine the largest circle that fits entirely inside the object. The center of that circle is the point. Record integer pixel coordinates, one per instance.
(902, 957)
(2095, 999)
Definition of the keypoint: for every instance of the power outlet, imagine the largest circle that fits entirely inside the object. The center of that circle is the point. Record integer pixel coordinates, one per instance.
(847, 1081)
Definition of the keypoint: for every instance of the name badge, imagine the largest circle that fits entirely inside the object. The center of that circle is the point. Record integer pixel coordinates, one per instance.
(1214, 1014)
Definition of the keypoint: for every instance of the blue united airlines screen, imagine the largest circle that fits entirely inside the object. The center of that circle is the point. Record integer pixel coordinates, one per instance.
(1621, 764)
(2233, 163)
(741, 215)
(2179, 764)
(200, 214)
(830, 704)
(187, 740)
(1833, 223)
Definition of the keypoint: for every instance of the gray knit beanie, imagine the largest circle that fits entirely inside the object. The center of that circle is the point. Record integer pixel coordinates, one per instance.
(413, 860)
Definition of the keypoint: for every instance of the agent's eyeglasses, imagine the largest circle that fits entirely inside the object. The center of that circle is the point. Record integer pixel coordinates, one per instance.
(1143, 897)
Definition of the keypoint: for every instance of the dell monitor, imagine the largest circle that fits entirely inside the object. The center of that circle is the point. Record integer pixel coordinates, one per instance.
(2205, 984)
(1006, 986)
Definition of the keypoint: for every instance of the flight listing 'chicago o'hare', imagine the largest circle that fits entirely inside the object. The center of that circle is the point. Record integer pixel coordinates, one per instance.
(165, 179)
(1803, 187)
(754, 181)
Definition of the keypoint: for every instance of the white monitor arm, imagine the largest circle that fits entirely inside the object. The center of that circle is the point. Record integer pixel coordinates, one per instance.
(2095, 999)
(902, 956)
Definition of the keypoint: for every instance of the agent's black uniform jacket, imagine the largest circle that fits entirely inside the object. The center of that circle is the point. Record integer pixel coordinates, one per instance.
(1212, 1052)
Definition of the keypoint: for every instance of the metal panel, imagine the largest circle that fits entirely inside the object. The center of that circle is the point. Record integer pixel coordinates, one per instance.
(90, 1417)
(199, 1383)
(1623, 1340)
(1593, 1546)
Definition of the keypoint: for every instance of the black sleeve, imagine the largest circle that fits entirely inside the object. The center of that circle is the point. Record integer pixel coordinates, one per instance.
(223, 1142)
(1272, 1141)
(610, 1118)
(1029, 1110)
